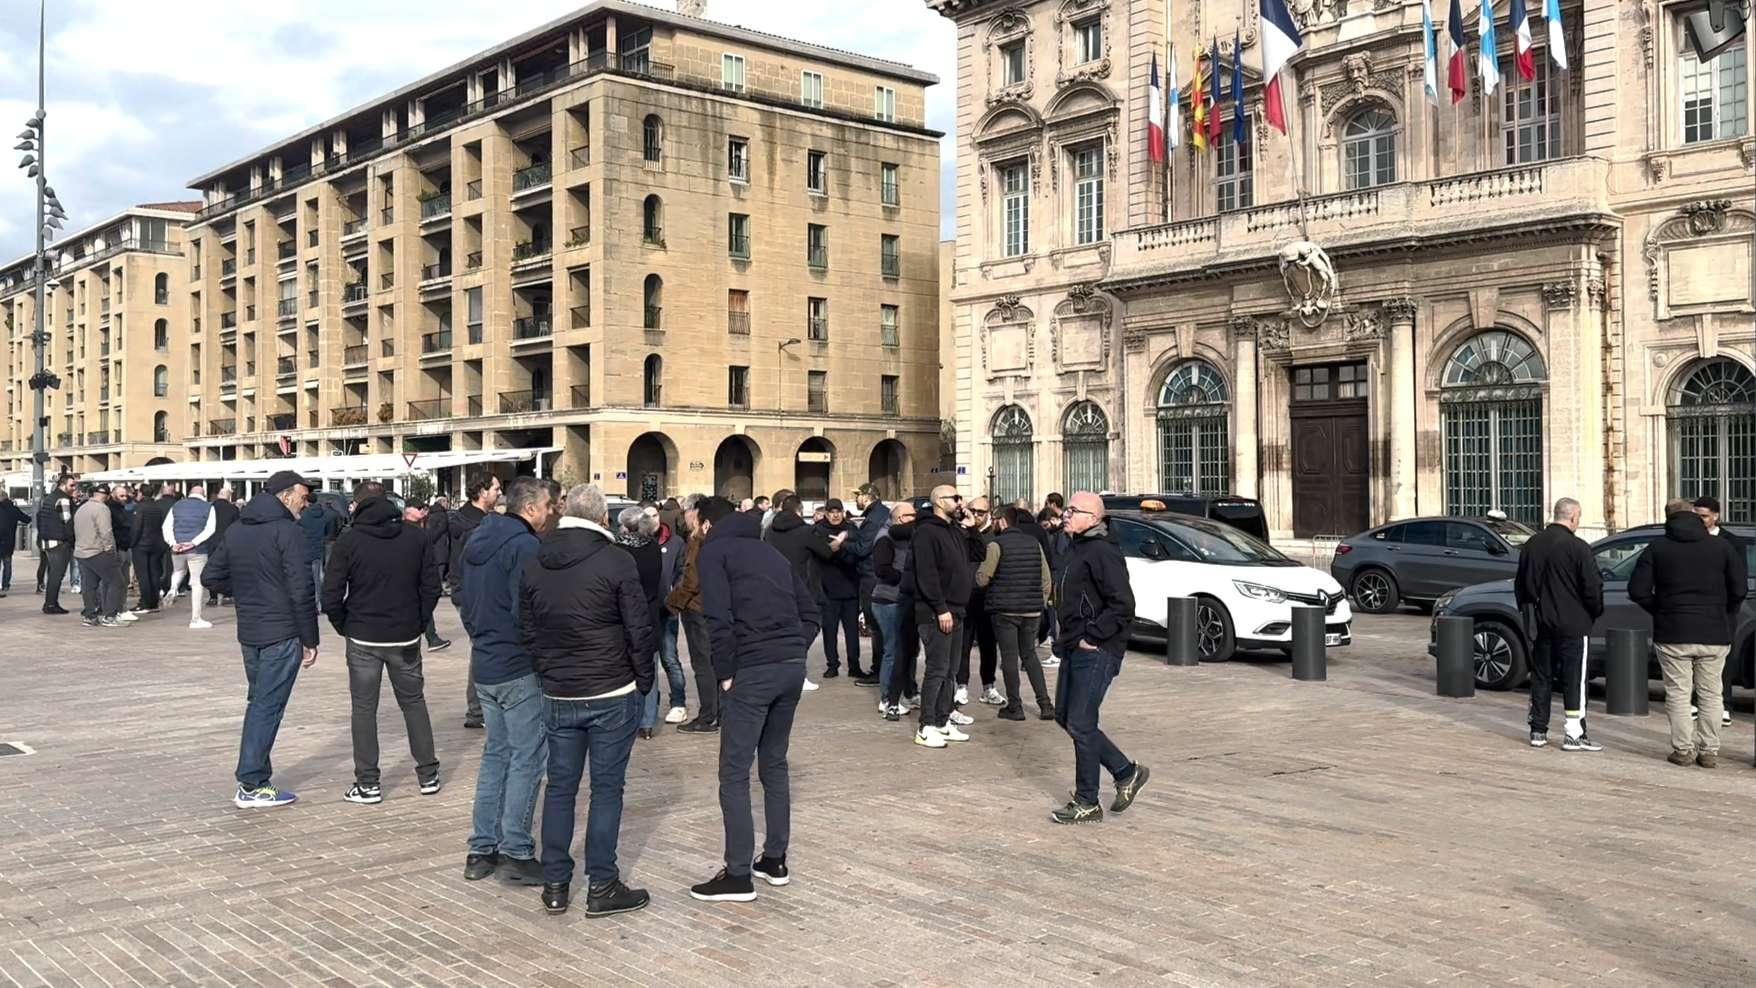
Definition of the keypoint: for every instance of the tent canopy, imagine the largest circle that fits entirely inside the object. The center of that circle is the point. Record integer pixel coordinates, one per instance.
(368, 466)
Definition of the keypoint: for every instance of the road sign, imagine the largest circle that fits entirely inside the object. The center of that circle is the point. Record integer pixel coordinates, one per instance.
(409, 459)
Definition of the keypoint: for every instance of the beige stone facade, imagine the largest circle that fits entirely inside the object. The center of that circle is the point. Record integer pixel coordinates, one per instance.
(1544, 294)
(118, 328)
(683, 255)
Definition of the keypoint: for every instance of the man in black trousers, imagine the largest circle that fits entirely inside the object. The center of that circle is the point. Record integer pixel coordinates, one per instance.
(55, 539)
(943, 581)
(152, 554)
(1558, 589)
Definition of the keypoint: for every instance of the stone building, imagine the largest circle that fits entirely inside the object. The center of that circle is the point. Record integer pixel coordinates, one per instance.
(681, 255)
(118, 327)
(1544, 293)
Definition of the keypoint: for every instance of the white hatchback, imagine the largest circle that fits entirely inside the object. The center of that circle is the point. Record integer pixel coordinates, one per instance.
(1244, 589)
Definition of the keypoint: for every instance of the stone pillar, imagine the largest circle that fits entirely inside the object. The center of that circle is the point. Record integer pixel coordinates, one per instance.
(1401, 313)
(1245, 468)
(1573, 436)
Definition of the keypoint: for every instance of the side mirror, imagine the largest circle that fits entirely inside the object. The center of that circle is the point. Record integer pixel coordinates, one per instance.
(1604, 573)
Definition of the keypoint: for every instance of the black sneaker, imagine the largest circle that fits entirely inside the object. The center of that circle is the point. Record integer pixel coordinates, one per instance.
(55, 609)
(1010, 713)
(699, 725)
(90, 622)
(365, 795)
(479, 866)
(771, 870)
(1046, 712)
(612, 897)
(1539, 739)
(472, 723)
(1581, 743)
(555, 898)
(866, 680)
(1126, 791)
(440, 645)
(832, 672)
(522, 871)
(1077, 812)
(430, 785)
(723, 887)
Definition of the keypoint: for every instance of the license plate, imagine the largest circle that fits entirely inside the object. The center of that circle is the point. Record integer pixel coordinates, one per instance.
(1332, 639)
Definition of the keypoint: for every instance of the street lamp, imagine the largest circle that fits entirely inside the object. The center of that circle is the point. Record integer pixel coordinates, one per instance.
(779, 366)
(50, 217)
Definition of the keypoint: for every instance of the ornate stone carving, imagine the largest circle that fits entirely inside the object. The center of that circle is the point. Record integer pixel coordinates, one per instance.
(1647, 32)
(1362, 326)
(1657, 167)
(1707, 216)
(1112, 148)
(1561, 294)
(1065, 15)
(1007, 26)
(1704, 218)
(1747, 152)
(1242, 327)
(1020, 93)
(1596, 291)
(1310, 281)
(1401, 309)
(1359, 82)
(1273, 335)
(1007, 306)
(1134, 341)
(1036, 165)
(1082, 295)
(1082, 321)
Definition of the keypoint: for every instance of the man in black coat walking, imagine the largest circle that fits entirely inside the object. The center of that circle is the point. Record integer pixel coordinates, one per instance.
(841, 592)
(1561, 595)
(152, 554)
(55, 537)
(1707, 509)
(11, 519)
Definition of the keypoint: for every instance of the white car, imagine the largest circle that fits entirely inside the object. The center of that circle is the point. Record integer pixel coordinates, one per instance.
(1244, 589)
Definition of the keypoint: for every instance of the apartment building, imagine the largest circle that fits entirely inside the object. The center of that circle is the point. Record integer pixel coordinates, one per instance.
(1543, 293)
(680, 255)
(118, 324)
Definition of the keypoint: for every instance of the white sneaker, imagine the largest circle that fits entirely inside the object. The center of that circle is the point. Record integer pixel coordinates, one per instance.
(905, 704)
(950, 733)
(961, 719)
(1050, 662)
(962, 696)
(883, 707)
(929, 737)
(200, 625)
(811, 687)
(993, 697)
(127, 616)
(677, 715)
(1725, 718)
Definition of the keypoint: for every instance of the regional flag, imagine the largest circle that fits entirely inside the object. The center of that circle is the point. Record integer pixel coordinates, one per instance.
(1557, 37)
(1457, 75)
(1155, 116)
(1198, 93)
(1280, 39)
(1214, 124)
(1430, 52)
(1520, 21)
(1240, 126)
(1174, 119)
(1487, 48)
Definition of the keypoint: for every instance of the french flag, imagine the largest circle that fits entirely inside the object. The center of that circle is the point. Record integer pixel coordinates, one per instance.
(1526, 57)
(1155, 116)
(1280, 39)
(1457, 72)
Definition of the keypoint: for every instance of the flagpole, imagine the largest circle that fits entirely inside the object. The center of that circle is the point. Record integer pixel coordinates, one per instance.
(1298, 174)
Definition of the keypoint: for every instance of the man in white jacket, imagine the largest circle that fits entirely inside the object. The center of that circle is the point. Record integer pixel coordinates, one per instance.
(188, 526)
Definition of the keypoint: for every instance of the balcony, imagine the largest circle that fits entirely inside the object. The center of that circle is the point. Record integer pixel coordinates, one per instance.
(436, 207)
(354, 355)
(63, 440)
(104, 304)
(580, 157)
(738, 323)
(354, 293)
(97, 438)
(581, 396)
(579, 236)
(387, 412)
(229, 268)
(439, 342)
(433, 272)
(472, 260)
(286, 367)
(431, 408)
(529, 179)
(473, 190)
(522, 402)
(581, 316)
(283, 422)
(229, 320)
(534, 328)
(353, 228)
(347, 415)
(654, 317)
(286, 250)
(475, 333)
(287, 308)
(530, 250)
(222, 427)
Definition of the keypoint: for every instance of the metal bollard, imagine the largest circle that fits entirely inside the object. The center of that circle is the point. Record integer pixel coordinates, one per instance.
(1310, 656)
(1457, 656)
(1627, 693)
(1181, 647)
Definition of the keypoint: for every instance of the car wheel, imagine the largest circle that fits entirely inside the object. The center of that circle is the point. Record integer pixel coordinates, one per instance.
(1214, 638)
(1499, 656)
(1375, 591)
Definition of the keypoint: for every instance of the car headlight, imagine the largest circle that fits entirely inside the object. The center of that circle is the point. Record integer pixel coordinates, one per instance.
(1443, 604)
(1257, 591)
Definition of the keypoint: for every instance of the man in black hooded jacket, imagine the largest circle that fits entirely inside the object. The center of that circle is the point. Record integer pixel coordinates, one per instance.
(1560, 591)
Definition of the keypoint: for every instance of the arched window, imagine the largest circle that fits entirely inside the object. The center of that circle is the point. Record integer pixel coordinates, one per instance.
(161, 335)
(1713, 438)
(1013, 448)
(161, 427)
(161, 381)
(655, 297)
(1491, 403)
(654, 380)
(1368, 148)
(653, 137)
(652, 222)
(1085, 443)
(161, 289)
(1194, 453)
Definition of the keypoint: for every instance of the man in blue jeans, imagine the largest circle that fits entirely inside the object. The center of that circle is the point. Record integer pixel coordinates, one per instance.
(585, 619)
(261, 565)
(511, 696)
(1095, 607)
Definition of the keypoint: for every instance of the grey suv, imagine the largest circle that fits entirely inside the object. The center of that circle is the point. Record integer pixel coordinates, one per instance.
(1503, 647)
(1419, 559)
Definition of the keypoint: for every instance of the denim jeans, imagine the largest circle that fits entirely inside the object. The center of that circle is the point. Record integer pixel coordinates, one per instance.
(513, 758)
(756, 721)
(674, 677)
(845, 616)
(890, 618)
(270, 670)
(367, 665)
(601, 731)
(1079, 692)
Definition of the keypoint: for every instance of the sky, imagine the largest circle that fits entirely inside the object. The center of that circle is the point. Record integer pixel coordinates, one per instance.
(144, 95)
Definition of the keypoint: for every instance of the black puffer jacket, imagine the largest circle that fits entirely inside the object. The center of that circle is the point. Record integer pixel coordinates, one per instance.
(261, 565)
(804, 547)
(841, 572)
(649, 562)
(380, 585)
(584, 616)
(1691, 583)
(1017, 586)
(758, 608)
(1094, 602)
(55, 517)
(10, 520)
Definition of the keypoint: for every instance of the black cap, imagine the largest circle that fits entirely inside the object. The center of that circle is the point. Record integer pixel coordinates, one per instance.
(833, 504)
(286, 480)
(1710, 503)
(101, 489)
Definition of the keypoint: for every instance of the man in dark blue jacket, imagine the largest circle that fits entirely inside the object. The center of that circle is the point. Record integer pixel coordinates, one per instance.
(261, 565)
(762, 619)
(874, 516)
(516, 750)
(320, 527)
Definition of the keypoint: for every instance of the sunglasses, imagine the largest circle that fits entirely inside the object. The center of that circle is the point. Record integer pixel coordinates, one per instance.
(1081, 511)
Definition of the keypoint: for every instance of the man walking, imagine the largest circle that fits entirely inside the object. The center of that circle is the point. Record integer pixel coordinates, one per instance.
(1015, 576)
(187, 528)
(841, 592)
(583, 616)
(1559, 591)
(152, 553)
(483, 492)
(1095, 608)
(94, 549)
(943, 580)
(55, 533)
(379, 590)
(516, 750)
(1692, 584)
(874, 516)
(11, 519)
(762, 619)
(262, 566)
(893, 603)
(685, 601)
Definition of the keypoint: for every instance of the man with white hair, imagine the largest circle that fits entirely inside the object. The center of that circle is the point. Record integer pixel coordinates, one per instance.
(187, 528)
(1560, 593)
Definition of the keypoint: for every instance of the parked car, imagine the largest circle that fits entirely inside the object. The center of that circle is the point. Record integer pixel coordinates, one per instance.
(1502, 653)
(1242, 513)
(1418, 560)
(1244, 589)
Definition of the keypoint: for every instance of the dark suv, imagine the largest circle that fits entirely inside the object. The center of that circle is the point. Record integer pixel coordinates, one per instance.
(1503, 648)
(1419, 559)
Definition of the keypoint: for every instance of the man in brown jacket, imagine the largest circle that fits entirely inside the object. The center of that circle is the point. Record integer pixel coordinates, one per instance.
(685, 601)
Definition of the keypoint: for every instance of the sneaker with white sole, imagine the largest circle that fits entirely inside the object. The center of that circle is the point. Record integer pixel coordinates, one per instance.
(961, 719)
(961, 697)
(993, 697)
(431, 785)
(905, 704)
(1050, 662)
(364, 795)
(883, 707)
(200, 625)
(1582, 742)
(263, 797)
(677, 715)
(810, 687)
(950, 733)
(929, 737)
(127, 617)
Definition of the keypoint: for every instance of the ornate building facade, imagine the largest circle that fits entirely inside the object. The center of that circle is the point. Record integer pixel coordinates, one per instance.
(1543, 293)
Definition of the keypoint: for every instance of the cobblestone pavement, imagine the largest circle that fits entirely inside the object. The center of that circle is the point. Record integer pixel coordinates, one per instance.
(1351, 831)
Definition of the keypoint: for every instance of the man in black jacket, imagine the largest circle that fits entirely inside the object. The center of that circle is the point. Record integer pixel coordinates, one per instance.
(1095, 607)
(379, 590)
(1692, 584)
(1559, 591)
(225, 512)
(261, 565)
(841, 592)
(586, 621)
(11, 518)
(761, 617)
(483, 492)
(1707, 509)
(978, 623)
(943, 580)
(893, 604)
(152, 555)
(55, 536)
(1015, 577)
(806, 548)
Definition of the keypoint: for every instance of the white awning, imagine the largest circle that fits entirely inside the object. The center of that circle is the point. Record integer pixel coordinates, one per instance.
(368, 466)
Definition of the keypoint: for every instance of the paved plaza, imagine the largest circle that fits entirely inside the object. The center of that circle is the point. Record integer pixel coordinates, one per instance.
(1359, 830)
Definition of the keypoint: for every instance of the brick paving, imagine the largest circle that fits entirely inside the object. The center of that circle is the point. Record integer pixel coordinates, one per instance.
(1359, 830)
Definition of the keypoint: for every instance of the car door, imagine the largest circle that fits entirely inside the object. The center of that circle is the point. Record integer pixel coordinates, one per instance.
(1615, 558)
(1157, 569)
(1421, 561)
(1475, 555)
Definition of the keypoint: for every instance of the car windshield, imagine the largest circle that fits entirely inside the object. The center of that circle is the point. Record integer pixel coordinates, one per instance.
(1213, 542)
(1513, 532)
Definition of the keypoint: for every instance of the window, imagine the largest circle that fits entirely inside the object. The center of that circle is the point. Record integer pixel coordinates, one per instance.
(1616, 561)
(817, 391)
(891, 190)
(890, 255)
(161, 381)
(731, 73)
(887, 402)
(1012, 64)
(817, 319)
(1714, 94)
(1233, 187)
(1712, 419)
(473, 304)
(161, 427)
(1194, 448)
(1015, 209)
(1368, 149)
(1014, 448)
(817, 245)
(161, 335)
(1329, 382)
(738, 159)
(1085, 445)
(738, 312)
(817, 172)
(738, 386)
(1530, 114)
(1469, 538)
(654, 295)
(1491, 408)
(811, 89)
(1088, 194)
(1088, 43)
(653, 384)
(653, 137)
(1424, 533)
(888, 322)
(738, 235)
(652, 221)
(161, 289)
(884, 104)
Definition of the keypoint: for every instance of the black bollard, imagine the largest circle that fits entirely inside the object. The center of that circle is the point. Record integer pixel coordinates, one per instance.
(1457, 656)
(1181, 647)
(1627, 692)
(1310, 657)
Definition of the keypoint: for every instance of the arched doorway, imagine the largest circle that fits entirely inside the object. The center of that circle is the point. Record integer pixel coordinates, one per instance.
(1491, 408)
(1085, 446)
(811, 469)
(651, 460)
(1712, 418)
(1014, 448)
(1194, 453)
(734, 469)
(888, 469)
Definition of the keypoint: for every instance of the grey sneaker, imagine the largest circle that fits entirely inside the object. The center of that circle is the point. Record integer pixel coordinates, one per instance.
(1126, 791)
(1581, 743)
(1077, 812)
(1538, 739)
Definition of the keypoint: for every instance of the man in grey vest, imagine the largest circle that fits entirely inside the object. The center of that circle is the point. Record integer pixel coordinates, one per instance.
(188, 526)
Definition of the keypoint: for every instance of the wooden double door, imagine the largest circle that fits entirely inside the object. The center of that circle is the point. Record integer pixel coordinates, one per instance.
(1331, 453)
